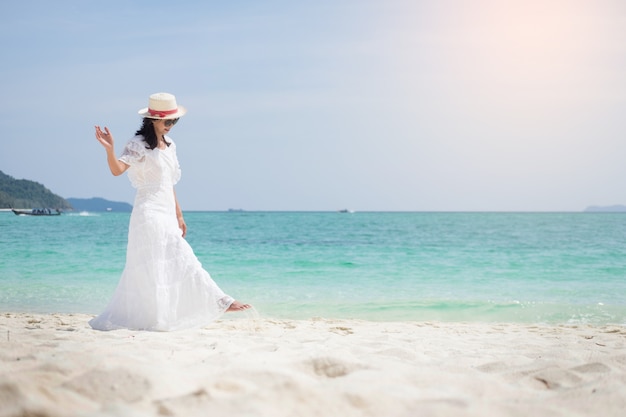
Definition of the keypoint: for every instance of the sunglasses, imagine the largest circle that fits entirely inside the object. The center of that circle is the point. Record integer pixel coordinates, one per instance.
(170, 122)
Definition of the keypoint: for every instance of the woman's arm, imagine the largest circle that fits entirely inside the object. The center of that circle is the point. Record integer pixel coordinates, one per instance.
(179, 216)
(116, 166)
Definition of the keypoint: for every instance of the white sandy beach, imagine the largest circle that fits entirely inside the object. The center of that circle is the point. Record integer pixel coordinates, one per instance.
(56, 365)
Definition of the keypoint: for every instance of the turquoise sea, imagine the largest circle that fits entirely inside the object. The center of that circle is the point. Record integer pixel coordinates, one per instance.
(490, 267)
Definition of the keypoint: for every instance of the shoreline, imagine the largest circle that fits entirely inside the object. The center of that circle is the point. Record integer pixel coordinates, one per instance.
(56, 365)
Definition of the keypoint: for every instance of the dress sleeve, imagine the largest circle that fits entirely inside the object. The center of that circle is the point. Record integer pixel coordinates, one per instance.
(134, 152)
(176, 174)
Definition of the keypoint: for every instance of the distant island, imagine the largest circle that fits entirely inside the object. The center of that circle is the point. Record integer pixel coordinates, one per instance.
(26, 194)
(99, 204)
(617, 208)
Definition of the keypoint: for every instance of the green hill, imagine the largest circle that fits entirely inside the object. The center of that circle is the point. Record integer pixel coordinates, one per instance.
(26, 194)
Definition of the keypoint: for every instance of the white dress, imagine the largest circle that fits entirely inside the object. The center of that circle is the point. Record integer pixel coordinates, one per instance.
(163, 286)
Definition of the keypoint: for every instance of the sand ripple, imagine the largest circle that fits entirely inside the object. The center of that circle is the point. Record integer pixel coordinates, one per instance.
(55, 365)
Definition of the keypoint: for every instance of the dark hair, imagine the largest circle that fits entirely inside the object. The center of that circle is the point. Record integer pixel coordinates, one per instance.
(149, 136)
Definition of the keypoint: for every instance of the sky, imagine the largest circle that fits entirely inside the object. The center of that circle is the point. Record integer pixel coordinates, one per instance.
(398, 105)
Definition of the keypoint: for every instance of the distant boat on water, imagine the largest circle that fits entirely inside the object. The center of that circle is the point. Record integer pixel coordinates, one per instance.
(346, 211)
(37, 212)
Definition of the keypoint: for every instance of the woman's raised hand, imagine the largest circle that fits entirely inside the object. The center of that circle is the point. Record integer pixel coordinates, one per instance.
(105, 138)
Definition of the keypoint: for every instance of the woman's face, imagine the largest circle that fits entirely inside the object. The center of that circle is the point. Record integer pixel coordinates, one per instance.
(163, 126)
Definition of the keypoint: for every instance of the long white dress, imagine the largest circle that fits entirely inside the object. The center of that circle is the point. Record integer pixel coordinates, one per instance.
(163, 286)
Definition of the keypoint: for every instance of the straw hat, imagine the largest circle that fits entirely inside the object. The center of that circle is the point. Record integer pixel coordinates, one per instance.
(162, 106)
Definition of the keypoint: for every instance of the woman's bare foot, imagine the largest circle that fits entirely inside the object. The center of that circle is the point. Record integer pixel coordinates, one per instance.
(238, 306)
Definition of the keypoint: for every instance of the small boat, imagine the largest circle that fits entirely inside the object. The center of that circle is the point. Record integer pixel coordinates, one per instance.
(346, 211)
(37, 212)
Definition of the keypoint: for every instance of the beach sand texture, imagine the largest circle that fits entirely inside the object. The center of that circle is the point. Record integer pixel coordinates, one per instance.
(55, 365)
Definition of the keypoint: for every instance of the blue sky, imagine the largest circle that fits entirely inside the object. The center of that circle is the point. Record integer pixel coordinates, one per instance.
(369, 105)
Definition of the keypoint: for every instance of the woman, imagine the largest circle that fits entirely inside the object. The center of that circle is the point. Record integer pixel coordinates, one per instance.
(163, 286)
